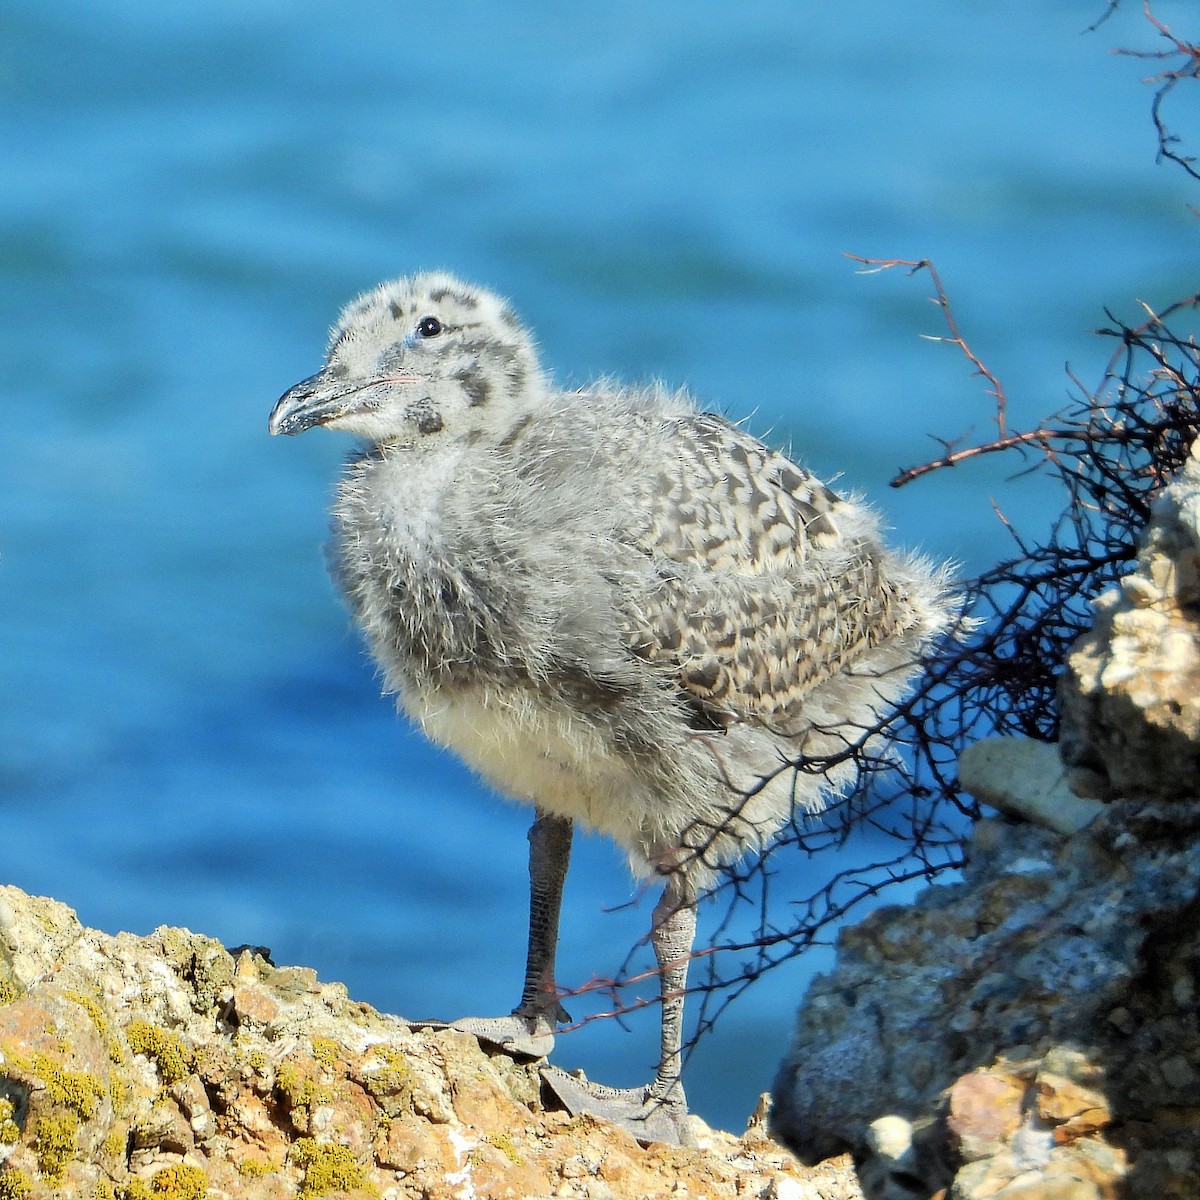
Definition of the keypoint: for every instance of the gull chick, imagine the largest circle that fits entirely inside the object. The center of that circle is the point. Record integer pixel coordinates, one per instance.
(622, 610)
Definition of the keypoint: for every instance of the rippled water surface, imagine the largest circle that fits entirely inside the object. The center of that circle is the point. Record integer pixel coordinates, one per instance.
(191, 734)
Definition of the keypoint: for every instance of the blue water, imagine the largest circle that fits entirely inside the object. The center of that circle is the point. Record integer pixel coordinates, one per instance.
(190, 732)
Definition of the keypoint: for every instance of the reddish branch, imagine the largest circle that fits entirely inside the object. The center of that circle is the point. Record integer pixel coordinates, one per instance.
(875, 265)
(1167, 80)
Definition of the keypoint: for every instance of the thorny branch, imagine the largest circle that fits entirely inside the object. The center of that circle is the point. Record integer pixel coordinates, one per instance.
(875, 265)
(1187, 57)
(1110, 452)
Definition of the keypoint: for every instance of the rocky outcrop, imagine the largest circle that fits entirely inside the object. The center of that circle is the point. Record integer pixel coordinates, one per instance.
(1130, 695)
(1034, 1025)
(167, 1068)
(1029, 1033)
(1033, 1031)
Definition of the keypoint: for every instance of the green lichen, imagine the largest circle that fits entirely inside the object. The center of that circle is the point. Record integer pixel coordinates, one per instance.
(391, 1085)
(10, 1131)
(325, 1051)
(504, 1144)
(258, 1060)
(166, 1051)
(255, 1168)
(297, 1087)
(210, 971)
(103, 1190)
(178, 945)
(54, 1144)
(327, 1168)
(14, 1185)
(8, 993)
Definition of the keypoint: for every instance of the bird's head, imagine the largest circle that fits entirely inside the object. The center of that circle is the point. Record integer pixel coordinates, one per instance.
(419, 357)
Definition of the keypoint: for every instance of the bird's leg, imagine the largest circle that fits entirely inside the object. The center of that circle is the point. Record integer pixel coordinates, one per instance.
(549, 857)
(672, 934)
(658, 1112)
(530, 1028)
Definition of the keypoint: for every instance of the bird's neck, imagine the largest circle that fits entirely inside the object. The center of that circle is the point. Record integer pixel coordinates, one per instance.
(396, 492)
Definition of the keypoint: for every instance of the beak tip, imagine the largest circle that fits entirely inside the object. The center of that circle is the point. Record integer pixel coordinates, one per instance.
(301, 407)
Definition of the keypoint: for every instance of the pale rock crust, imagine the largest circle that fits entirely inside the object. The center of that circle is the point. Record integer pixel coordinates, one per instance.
(1131, 693)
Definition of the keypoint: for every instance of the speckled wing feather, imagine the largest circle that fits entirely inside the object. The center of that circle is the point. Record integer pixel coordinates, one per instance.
(762, 593)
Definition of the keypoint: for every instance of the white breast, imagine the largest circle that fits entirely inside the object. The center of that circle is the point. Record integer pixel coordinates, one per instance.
(540, 756)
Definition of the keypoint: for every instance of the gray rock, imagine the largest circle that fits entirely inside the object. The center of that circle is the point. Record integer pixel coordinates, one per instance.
(1026, 779)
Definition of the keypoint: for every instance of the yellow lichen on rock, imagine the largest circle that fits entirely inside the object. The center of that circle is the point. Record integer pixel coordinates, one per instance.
(310, 1095)
(325, 1051)
(54, 1143)
(163, 1048)
(9, 1130)
(327, 1167)
(179, 1182)
(14, 1184)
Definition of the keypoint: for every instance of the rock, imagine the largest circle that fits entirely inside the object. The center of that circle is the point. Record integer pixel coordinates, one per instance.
(1034, 1027)
(1130, 695)
(1028, 780)
(984, 1110)
(161, 1068)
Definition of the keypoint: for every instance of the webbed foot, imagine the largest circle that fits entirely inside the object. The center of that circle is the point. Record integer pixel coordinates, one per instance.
(647, 1117)
(532, 1037)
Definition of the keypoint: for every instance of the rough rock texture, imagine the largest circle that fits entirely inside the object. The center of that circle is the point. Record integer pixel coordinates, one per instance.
(162, 1068)
(1033, 1032)
(1035, 1024)
(1131, 692)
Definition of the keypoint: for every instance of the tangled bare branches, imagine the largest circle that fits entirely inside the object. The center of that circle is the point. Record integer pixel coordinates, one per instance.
(1109, 451)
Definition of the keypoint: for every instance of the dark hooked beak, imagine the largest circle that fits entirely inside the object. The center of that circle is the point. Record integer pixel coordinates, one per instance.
(313, 401)
(326, 396)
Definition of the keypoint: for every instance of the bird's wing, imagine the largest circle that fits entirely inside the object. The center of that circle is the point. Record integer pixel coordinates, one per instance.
(762, 592)
(722, 498)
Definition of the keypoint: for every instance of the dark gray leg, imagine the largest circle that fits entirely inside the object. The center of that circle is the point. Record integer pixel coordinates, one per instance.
(530, 1029)
(549, 857)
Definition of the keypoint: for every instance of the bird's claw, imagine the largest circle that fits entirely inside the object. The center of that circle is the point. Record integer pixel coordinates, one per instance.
(647, 1117)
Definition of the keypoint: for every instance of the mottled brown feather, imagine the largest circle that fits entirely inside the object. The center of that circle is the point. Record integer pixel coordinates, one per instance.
(759, 599)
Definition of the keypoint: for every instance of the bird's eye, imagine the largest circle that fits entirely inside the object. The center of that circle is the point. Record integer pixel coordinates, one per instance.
(429, 327)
